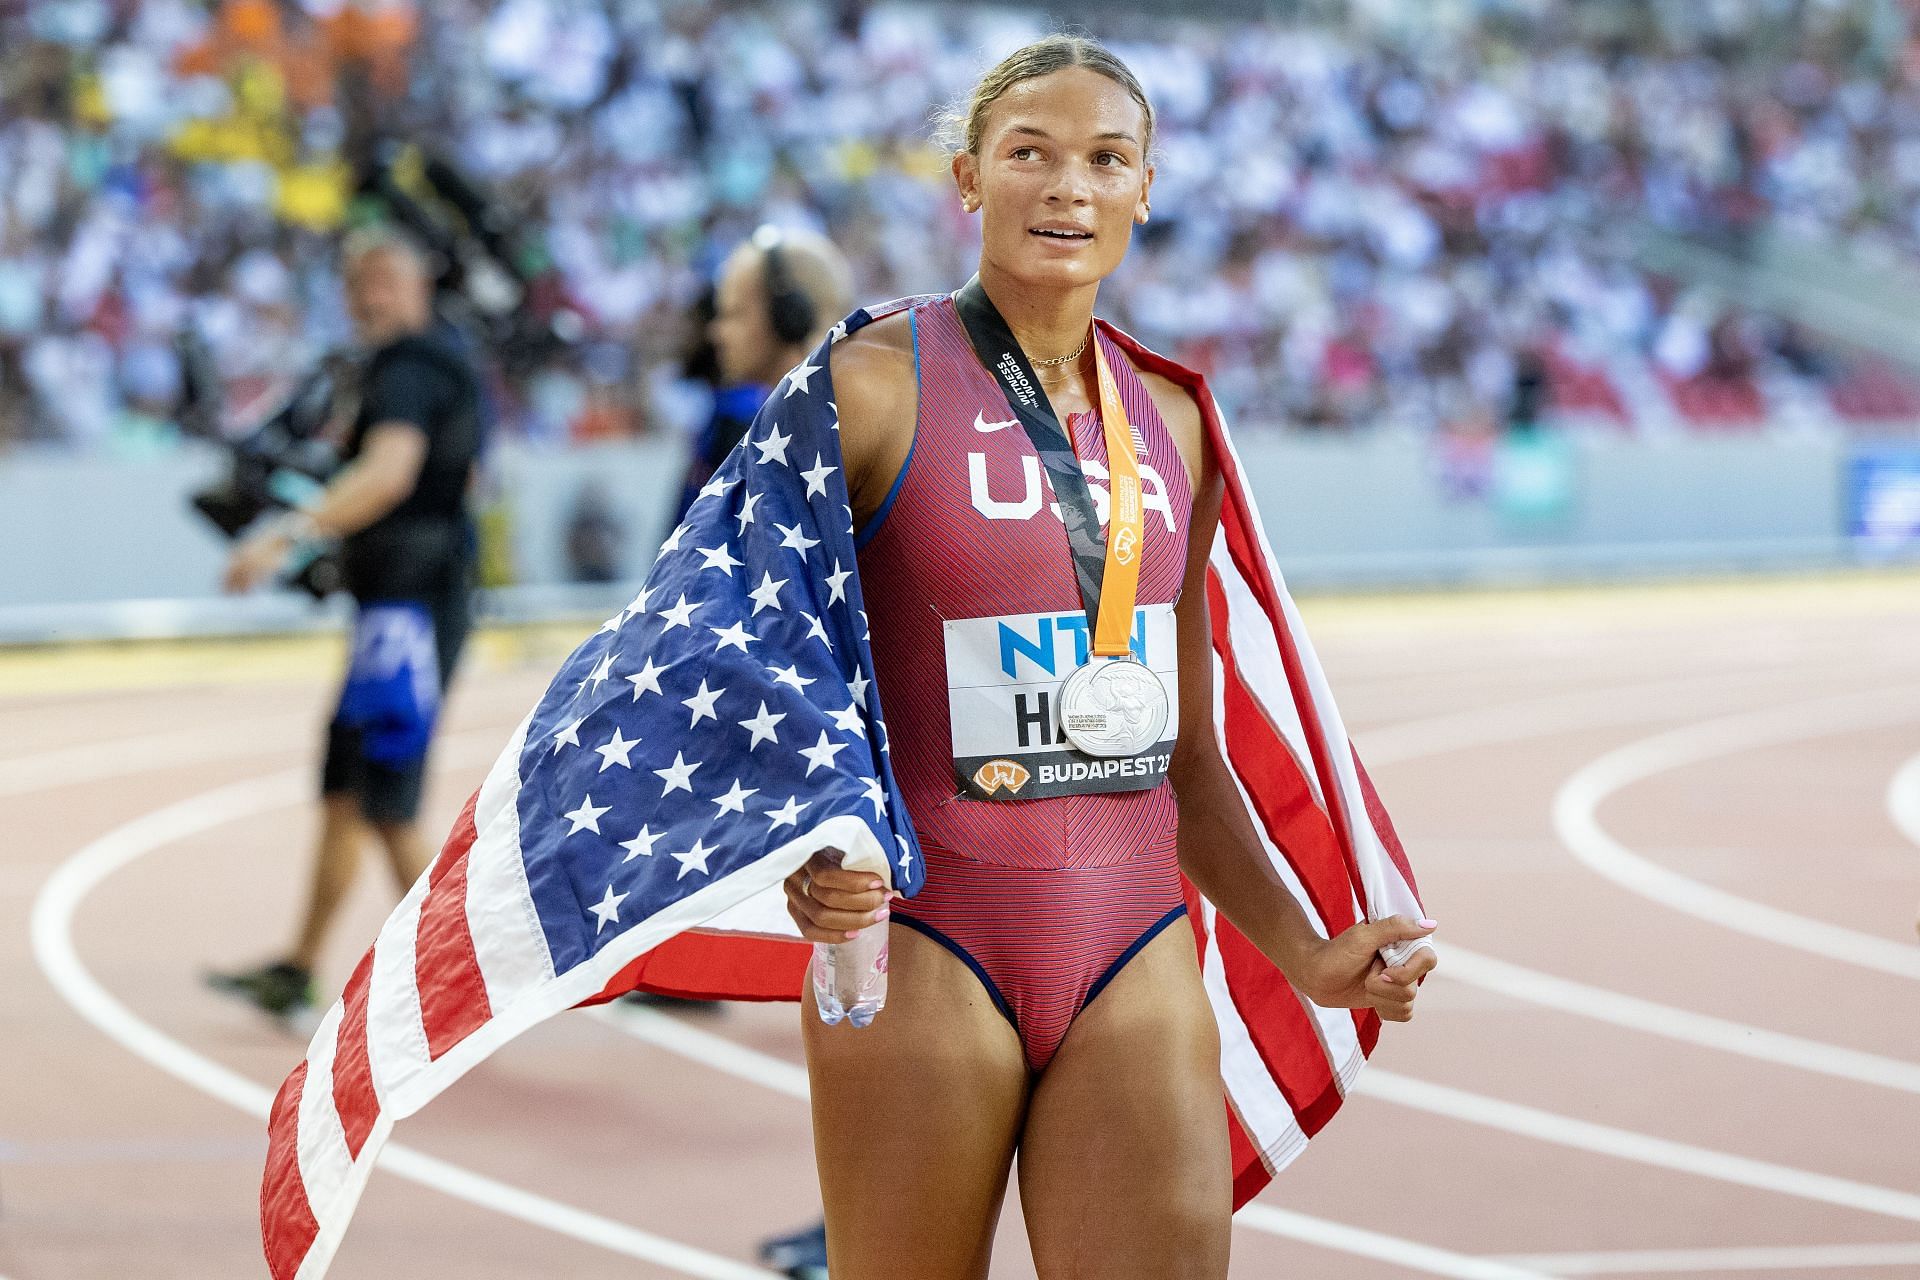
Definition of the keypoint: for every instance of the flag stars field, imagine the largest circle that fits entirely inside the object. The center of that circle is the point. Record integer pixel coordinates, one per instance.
(816, 631)
(694, 859)
(837, 583)
(617, 750)
(787, 815)
(791, 677)
(816, 478)
(820, 755)
(735, 636)
(773, 447)
(586, 817)
(681, 615)
(607, 910)
(719, 557)
(703, 701)
(734, 800)
(646, 679)
(795, 539)
(797, 379)
(767, 594)
(677, 776)
(641, 846)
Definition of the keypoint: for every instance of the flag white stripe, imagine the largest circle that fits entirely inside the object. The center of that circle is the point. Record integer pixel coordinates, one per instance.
(396, 1037)
(322, 1150)
(508, 943)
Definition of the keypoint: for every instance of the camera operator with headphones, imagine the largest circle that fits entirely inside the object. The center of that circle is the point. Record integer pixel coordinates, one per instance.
(776, 294)
(398, 507)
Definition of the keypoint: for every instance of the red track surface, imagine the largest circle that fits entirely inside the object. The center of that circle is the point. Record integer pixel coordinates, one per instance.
(1475, 712)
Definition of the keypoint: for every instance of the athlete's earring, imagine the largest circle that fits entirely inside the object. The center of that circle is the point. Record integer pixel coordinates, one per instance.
(970, 204)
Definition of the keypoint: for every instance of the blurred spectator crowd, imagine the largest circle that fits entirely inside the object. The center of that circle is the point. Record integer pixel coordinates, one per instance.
(1369, 215)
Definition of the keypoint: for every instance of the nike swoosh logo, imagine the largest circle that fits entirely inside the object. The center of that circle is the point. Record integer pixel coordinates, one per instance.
(981, 424)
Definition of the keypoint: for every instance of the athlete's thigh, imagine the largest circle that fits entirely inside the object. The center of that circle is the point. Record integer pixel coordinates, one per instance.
(1124, 1165)
(914, 1121)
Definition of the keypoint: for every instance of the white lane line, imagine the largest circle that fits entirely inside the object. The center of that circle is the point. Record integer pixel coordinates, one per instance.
(1603, 1005)
(1903, 799)
(1737, 1259)
(1641, 1148)
(53, 949)
(161, 749)
(1549, 715)
(790, 1078)
(1382, 1248)
(1578, 799)
(141, 753)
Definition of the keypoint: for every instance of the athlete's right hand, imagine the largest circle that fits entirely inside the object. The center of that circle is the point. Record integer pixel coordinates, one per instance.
(830, 903)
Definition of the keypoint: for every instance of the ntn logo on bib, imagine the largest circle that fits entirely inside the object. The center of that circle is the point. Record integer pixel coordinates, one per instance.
(1003, 699)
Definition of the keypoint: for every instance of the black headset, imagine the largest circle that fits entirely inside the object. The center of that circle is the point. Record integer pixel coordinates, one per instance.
(790, 312)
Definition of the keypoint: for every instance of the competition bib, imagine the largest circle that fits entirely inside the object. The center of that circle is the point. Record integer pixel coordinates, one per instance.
(1004, 700)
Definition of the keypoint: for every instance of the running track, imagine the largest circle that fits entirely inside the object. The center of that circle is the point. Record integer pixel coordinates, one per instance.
(1672, 836)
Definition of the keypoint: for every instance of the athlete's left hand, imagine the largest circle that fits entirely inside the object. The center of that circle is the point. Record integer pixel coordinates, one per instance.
(255, 560)
(1346, 972)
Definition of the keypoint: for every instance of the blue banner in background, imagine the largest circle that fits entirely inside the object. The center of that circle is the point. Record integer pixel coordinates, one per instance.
(1883, 498)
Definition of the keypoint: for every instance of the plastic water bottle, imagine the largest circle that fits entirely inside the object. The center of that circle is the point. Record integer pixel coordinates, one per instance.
(850, 978)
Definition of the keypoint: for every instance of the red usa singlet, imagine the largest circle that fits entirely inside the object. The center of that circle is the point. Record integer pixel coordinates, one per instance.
(1044, 882)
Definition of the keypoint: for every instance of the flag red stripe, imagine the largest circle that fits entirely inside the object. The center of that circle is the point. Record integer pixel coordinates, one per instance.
(353, 1095)
(705, 966)
(453, 991)
(1280, 1028)
(1250, 1172)
(1367, 1024)
(287, 1225)
(1282, 801)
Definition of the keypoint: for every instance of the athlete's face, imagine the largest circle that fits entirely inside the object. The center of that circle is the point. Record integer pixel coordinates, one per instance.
(1060, 178)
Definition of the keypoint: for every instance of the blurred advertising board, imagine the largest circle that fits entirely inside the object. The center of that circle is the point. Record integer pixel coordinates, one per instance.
(1883, 498)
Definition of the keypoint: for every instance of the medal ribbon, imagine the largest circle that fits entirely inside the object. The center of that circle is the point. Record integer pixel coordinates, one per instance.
(1109, 575)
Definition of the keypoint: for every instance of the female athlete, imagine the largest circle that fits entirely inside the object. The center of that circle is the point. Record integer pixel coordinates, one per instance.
(1045, 996)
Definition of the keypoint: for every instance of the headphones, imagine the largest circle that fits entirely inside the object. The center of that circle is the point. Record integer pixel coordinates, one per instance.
(790, 312)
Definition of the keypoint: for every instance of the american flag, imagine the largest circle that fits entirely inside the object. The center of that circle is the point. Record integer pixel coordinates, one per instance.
(718, 731)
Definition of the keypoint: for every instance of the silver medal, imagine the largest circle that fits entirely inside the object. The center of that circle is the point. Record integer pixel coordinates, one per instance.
(1113, 707)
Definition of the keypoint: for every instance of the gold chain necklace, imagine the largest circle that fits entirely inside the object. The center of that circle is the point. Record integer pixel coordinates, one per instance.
(1071, 355)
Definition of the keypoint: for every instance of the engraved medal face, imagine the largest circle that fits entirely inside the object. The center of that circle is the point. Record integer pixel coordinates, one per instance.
(1113, 707)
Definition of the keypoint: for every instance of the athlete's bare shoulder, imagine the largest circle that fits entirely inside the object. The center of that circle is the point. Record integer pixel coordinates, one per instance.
(875, 392)
(1181, 413)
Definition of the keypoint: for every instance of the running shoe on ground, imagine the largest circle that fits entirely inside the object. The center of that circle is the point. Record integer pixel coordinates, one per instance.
(281, 990)
(802, 1255)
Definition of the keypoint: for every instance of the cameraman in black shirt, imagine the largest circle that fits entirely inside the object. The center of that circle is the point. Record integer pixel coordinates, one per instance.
(398, 505)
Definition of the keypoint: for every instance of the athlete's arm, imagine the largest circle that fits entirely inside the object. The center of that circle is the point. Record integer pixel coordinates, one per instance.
(1219, 849)
(873, 388)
